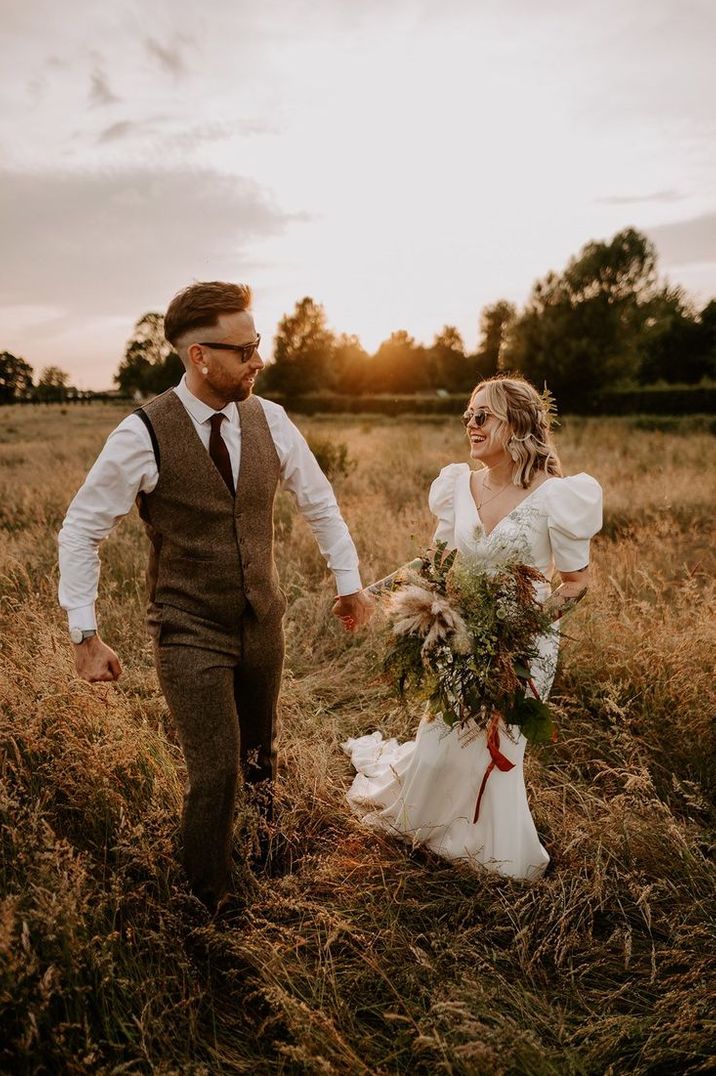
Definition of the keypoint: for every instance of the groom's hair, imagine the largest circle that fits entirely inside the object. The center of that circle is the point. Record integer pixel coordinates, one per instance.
(200, 305)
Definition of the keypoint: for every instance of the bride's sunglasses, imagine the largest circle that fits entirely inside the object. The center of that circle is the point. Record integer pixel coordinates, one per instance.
(479, 417)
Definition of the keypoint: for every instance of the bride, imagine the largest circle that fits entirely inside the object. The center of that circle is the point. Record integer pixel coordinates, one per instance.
(515, 504)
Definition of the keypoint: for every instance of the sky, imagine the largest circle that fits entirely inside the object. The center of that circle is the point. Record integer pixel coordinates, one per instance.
(403, 162)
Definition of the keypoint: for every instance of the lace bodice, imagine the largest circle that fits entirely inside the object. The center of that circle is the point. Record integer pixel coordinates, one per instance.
(551, 528)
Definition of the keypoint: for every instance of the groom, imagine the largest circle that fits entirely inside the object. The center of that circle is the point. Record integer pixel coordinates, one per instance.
(203, 462)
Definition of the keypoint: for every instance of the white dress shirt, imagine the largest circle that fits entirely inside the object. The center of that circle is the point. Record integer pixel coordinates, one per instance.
(126, 466)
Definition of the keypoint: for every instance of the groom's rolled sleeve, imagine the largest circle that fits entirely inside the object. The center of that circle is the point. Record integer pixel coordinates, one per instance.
(301, 475)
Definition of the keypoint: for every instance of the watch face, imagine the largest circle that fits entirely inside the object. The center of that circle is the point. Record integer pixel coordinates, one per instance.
(76, 635)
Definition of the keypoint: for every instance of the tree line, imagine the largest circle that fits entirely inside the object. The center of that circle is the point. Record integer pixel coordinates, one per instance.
(17, 382)
(606, 321)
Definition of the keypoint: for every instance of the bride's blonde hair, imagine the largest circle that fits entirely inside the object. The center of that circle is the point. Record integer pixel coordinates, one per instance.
(526, 414)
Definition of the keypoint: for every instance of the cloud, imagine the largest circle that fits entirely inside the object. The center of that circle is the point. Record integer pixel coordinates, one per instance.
(188, 138)
(100, 93)
(117, 130)
(670, 195)
(686, 242)
(118, 243)
(169, 58)
(171, 133)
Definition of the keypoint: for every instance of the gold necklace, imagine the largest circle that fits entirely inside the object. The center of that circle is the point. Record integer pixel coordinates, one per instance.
(501, 490)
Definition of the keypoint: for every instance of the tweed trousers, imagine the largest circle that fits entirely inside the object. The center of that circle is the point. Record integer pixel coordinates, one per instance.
(222, 691)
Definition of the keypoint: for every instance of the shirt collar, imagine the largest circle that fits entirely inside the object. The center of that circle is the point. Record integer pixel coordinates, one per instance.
(198, 410)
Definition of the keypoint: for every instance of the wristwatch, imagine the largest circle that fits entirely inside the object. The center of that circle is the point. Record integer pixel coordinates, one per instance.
(78, 635)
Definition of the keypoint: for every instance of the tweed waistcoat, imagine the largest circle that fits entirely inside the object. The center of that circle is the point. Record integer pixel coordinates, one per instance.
(210, 553)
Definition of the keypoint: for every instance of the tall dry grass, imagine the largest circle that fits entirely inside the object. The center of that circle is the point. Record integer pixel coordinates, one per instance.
(364, 957)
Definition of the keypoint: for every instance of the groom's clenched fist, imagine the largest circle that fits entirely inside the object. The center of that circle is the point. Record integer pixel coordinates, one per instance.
(96, 662)
(354, 610)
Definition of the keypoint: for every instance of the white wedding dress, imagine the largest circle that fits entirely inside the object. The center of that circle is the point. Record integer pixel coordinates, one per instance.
(425, 791)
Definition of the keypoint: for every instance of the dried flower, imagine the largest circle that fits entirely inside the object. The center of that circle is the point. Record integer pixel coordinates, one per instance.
(464, 636)
(417, 611)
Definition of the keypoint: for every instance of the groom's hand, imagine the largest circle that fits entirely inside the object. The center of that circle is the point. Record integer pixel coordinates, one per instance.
(96, 662)
(355, 610)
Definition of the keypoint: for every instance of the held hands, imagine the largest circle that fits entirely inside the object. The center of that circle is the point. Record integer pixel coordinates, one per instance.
(354, 610)
(96, 662)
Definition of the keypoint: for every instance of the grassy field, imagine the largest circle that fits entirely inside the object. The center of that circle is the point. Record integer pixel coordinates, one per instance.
(364, 957)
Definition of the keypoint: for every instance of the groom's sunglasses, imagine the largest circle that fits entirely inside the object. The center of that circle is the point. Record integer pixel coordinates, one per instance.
(480, 416)
(244, 351)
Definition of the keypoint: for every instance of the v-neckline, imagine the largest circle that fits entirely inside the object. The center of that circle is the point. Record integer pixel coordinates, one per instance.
(488, 534)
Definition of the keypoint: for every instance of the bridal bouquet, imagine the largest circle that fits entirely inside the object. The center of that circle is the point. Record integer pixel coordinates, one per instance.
(463, 639)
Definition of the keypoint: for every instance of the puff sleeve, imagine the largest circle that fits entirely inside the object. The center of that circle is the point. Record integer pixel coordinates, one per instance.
(441, 501)
(574, 515)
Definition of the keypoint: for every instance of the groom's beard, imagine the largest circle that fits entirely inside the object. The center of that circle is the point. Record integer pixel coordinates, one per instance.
(241, 394)
(234, 393)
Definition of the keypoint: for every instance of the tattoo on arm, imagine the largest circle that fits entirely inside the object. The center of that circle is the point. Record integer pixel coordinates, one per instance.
(564, 599)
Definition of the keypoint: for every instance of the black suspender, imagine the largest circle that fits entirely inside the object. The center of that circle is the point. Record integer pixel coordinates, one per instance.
(148, 423)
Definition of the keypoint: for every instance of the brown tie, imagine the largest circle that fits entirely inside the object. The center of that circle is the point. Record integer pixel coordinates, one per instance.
(219, 452)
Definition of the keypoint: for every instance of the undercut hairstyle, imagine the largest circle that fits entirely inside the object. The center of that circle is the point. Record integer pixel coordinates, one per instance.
(517, 404)
(200, 305)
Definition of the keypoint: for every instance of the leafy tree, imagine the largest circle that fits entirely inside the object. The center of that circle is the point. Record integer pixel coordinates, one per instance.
(496, 321)
(622, 270)
(53, 377)
(707, 319)
(583, 330)
(150, 365)
(449, 339)
(680, 345)
(52, 384)
(399, 365)
(350, 365)
(303, 351)
(448, 366)
(671, 334)
(15, 378)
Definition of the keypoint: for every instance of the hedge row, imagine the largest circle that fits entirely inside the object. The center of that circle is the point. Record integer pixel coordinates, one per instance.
(670, 400)
(666, 400)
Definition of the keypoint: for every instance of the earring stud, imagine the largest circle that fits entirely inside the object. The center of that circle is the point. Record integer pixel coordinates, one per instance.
(205, 369)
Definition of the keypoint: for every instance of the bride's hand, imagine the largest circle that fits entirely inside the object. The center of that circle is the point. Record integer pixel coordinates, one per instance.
(354, 610)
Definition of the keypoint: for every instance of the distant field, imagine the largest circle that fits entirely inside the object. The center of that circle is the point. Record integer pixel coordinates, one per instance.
(364, 957)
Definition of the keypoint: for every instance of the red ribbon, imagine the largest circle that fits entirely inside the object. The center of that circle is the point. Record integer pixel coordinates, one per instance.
(496, 756)
(496, 759)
